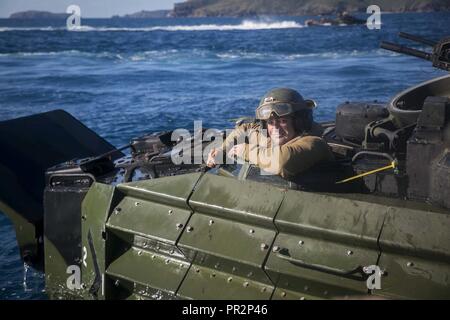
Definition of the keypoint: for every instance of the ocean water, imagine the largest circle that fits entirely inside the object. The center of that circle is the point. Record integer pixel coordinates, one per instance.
(124, 78)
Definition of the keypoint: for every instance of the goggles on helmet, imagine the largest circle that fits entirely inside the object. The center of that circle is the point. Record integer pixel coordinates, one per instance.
(281, 109)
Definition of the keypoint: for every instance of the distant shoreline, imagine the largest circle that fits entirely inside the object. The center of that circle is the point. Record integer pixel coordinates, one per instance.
(34, 14)
(247, 8)
(161, 14)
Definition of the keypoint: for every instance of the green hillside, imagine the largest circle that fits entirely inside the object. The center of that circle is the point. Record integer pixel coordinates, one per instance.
(201, 8)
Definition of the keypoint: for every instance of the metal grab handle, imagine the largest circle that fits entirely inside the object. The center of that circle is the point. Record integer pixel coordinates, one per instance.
(373, 153)
(339, 272)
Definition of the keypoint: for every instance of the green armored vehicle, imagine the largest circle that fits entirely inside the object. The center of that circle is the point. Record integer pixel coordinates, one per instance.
(105, 225)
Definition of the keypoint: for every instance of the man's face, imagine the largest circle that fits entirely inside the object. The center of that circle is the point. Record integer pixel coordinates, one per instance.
(281, 129)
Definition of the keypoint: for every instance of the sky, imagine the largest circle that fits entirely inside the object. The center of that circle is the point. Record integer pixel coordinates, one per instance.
(89, 8)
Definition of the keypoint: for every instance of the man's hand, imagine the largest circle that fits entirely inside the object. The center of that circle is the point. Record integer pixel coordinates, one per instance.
(237, 151)
(212, 158)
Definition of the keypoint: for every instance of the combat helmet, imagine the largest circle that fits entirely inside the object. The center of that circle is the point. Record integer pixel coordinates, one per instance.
(286, 101)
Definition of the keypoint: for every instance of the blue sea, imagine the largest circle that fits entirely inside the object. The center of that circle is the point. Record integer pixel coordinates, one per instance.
(124, 78)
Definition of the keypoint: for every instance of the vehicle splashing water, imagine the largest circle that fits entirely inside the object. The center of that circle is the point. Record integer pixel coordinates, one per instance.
(32, 281)
(18, 280)
(26, 269)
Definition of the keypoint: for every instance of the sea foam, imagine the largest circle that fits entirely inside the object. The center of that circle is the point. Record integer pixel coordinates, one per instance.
(245, 25)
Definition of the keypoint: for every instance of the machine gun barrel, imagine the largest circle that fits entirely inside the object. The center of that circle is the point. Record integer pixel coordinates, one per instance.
(417, 39)
(405, 50)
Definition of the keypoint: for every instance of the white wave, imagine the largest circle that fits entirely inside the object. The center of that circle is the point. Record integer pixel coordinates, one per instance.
(182, 55)
(48, 53)
(239, 55)
(75, 53)
(245, 25)
(153, 54)
(6, 29)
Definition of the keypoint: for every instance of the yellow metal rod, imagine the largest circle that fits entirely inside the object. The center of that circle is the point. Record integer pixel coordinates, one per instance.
(391, 166)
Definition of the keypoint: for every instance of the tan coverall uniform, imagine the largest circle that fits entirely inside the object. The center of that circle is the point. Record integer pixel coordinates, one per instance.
(288, 160)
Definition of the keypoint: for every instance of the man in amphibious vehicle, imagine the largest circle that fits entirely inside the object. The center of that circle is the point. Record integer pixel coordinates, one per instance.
(293, 143)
